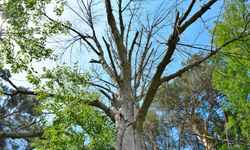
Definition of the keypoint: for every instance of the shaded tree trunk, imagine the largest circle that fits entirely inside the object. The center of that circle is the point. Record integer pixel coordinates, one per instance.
(206, 144)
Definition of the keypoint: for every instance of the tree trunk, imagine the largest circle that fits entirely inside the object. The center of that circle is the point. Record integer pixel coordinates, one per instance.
(206, 144)
(154, 141)
(128, 136)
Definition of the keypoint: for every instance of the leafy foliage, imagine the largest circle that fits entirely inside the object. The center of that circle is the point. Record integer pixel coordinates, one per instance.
(16, 110)
(231, 75)
(27, 31)
(74, 125)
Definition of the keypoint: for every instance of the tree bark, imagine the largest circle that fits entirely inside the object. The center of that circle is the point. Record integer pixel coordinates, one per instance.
(207, 145)
(128, 136)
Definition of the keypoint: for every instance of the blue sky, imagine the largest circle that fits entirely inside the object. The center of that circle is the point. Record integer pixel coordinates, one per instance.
(189, 36)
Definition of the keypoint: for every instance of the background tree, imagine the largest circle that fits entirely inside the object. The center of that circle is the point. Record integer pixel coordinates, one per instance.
(190, 108)
(130, 54)
(18, 116)
(189, 105)
(231, 75)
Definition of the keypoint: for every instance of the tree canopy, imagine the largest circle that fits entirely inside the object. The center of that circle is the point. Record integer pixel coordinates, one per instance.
(231, 75)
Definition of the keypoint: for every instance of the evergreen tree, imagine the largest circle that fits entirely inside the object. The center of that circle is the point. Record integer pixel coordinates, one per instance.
(189, 113)
(17, 115)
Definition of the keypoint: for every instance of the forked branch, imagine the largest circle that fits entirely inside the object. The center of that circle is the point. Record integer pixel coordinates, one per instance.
(95, 103)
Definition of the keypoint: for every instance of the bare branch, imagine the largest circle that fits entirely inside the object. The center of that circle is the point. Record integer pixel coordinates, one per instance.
(103, 107)
(196, 16)
(121, 19)
(122, 52)
(25, 126)
(6, 134)
(143, 56)
(111, 60)
(217, 139)
(186, 13)
(78, 33)
(181, 71)
(8, 80)
(97, 85)
(95, 103)
(155, 81)
(129, 25)
(106, 82)
(132, 47)
(127, 5)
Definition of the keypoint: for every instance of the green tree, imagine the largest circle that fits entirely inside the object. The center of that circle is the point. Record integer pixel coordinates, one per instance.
(75, 124)
(17, 112)
(133, 64)
(231, 75)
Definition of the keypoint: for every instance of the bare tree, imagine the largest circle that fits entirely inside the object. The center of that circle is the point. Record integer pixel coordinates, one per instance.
(132, 55)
